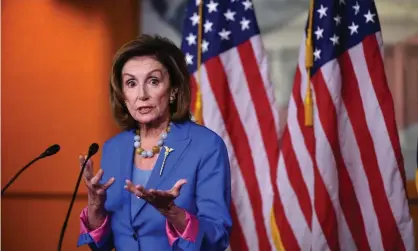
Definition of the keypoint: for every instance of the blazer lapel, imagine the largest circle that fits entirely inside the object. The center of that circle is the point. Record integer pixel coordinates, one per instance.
(126, 165)
(154, 175)
(177, 141)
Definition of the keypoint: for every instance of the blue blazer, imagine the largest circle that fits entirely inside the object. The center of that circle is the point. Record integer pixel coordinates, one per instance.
(200, 156)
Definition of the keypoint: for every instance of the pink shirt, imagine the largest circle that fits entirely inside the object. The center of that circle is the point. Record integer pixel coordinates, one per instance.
(189, 233)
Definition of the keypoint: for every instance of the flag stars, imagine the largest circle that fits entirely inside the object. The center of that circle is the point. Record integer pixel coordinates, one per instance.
(369, 17)
(356, 8)
(229, 15)
(191, 39)
(337, 20)
(247, 4)
(189, 58)
(335, 40)
(353, 28)
(336, 28)
(205, 46)
(212, 6)
(224, 34)
(322, 11)
(319, 33)
(207, 26)
(245, 24)
(317, 54)
(195, 19)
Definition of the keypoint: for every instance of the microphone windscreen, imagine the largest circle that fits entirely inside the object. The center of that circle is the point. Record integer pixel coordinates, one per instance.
(93, 149)
(51, 150)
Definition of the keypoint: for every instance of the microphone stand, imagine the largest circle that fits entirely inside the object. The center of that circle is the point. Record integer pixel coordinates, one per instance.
(92, 150)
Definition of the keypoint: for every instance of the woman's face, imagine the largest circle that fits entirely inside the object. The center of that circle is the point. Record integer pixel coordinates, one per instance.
(146, 86)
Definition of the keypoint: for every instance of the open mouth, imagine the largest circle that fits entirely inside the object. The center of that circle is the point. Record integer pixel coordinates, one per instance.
(144, 109)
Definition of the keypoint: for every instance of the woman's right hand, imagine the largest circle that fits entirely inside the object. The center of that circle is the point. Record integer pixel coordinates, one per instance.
(96, 193)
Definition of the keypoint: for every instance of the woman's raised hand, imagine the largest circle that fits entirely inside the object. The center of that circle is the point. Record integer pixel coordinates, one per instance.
(96, 193)
(162, 200)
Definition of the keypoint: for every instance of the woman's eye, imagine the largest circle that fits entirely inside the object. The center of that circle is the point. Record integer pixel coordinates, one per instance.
(154, 81)
(130, 83)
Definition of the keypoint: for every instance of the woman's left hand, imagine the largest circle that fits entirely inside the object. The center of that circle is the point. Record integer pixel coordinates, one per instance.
(162, 200)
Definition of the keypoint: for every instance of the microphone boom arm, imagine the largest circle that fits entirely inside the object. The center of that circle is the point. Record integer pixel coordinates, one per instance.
(92, 150)
(48, 152)
(3, 190)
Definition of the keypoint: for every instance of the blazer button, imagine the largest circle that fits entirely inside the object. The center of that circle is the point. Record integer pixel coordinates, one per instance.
(135, 236)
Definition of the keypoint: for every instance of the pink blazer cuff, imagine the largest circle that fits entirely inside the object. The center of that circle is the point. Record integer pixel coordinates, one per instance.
(189, 233)
(96, 234)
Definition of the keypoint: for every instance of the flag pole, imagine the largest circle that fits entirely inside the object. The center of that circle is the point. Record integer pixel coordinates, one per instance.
(308, 66)
(198, 103)
(416, 171)
(278, 243)
(275, 232)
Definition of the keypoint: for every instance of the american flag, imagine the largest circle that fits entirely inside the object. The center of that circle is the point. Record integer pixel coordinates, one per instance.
(238, 104)
(341, 183)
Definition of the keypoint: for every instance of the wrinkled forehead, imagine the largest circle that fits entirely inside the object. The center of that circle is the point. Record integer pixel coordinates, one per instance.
(143, 66)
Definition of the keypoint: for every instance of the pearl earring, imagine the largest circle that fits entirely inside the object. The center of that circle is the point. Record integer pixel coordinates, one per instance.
(171, 99)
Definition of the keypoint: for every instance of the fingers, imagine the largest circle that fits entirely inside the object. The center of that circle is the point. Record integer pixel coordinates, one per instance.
(145, 194)
(140, 191)
(131, 188)
(143, 190)
(108, 183)
(175, 191)
(81, 160)
(95, 180)
(159, 193)
(152, 194)
(98, 188)
(91, 180)
(88, 170)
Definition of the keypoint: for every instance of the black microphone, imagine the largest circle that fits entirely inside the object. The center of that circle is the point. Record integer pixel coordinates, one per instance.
(48, 152)
(92, 151)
